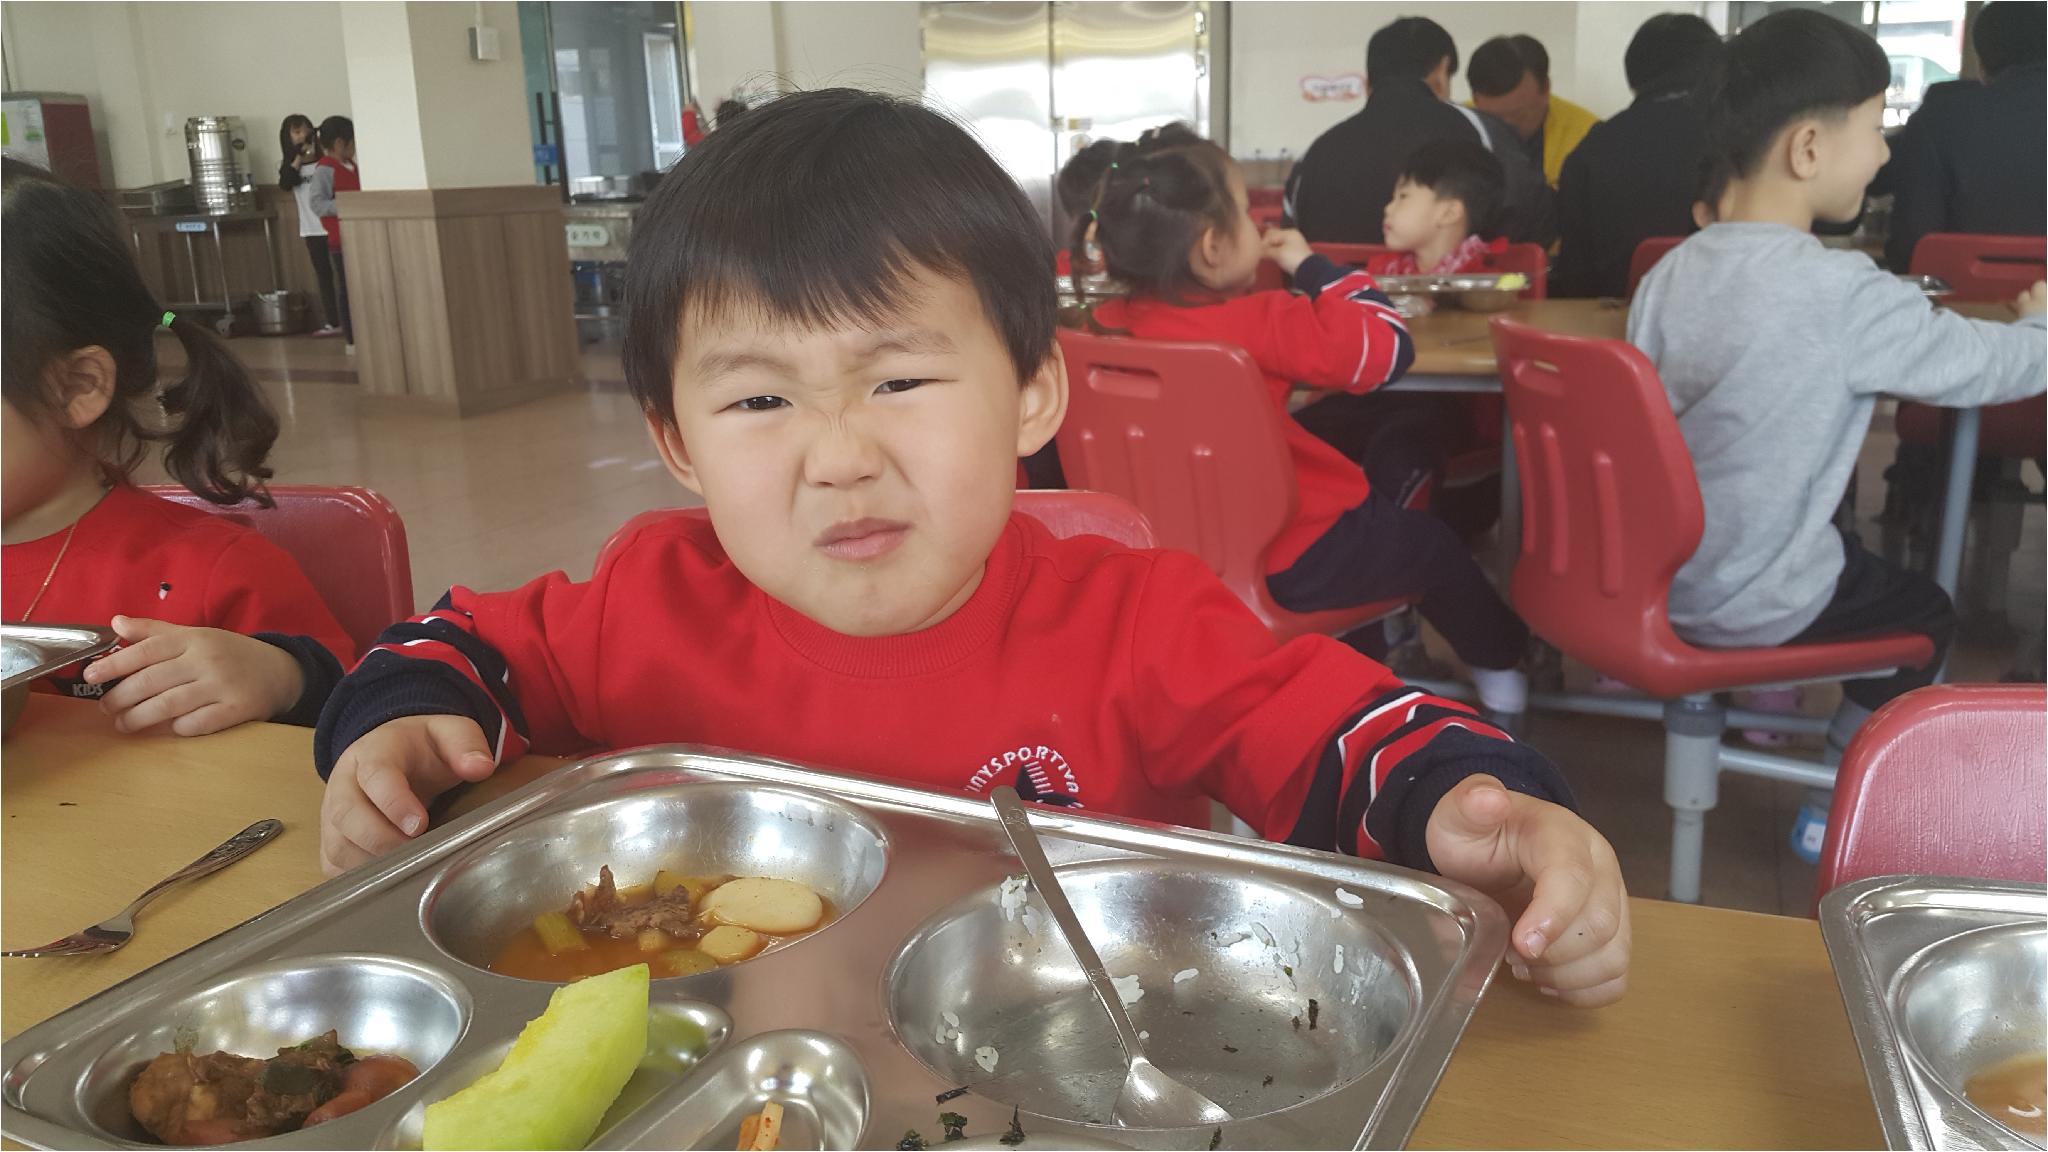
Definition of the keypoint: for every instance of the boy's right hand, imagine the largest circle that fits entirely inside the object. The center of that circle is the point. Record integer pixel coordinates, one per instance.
(2034, 301)
(1286, 247)
(376, 796)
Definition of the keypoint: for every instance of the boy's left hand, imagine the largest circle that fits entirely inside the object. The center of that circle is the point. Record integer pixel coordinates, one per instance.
(200, 679)
(1572, 936)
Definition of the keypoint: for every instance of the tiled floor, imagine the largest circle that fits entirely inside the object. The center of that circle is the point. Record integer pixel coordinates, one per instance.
(496, 500)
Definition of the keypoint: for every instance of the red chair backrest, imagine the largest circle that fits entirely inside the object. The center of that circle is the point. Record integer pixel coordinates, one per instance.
(1982, 267)
(349, 542)
(1269, 195)
(1646, 256)
(1188, 433)
(1266, 215)
(1611, 507)
(1064, 513)
(1945, 781)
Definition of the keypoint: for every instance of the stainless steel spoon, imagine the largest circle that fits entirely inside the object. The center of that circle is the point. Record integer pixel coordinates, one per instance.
(1150, 1098)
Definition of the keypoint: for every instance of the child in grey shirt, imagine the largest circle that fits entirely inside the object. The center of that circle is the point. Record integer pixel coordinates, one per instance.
(1774, 349)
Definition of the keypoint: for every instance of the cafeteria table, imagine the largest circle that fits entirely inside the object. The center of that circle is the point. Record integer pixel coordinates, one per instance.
(1454, 353)
(1732, 1033)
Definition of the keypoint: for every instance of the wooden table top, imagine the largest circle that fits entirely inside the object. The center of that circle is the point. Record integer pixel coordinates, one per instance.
(1732, 1033)
(1453, 342)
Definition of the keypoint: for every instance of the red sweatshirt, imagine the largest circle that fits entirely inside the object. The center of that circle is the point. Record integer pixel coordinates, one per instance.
(347, 178)
(1082, 673)
(137, 554)
(1343, 334)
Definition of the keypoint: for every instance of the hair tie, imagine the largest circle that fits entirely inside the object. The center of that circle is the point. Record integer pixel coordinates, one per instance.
(168, 317)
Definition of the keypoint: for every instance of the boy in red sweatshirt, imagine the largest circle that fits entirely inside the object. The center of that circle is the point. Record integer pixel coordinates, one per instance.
(842, 334)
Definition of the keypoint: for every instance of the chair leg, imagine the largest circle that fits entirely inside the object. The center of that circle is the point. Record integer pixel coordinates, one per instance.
(1693, 727)
(1994, 538)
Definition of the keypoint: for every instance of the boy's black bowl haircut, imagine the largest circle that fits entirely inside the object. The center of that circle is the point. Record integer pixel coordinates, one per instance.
(817, 209)
(1786, 66)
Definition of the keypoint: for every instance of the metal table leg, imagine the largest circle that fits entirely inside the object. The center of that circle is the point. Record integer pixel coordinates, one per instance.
(220, 257)
(270, 250)
(1955, 501)
(192, 266)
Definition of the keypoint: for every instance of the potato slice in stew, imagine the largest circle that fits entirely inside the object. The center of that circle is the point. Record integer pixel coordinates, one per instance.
(765, 905)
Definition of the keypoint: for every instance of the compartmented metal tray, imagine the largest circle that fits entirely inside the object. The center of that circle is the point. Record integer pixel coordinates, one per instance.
(30, 651)
(1315, 996)
(1432, 285)
(1943, 978)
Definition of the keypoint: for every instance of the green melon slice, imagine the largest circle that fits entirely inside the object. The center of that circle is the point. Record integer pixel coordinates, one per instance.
(563, 1072)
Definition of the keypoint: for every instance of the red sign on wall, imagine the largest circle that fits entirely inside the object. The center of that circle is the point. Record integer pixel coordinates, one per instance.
(1349, 86)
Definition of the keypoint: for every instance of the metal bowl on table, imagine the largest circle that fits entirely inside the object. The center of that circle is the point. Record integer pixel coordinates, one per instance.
(492, 894)
(1974, 1003)
(1257, 992)
(1945, 981)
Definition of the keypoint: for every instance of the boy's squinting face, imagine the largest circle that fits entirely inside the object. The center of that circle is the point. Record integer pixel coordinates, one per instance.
(1414, 216)
(1850, 149)
(860, 476)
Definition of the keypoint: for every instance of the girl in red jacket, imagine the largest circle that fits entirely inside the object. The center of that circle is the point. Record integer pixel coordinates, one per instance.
(83, 545)
(1170, 219)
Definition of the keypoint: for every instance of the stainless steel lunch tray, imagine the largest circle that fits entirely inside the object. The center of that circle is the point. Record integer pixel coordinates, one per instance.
(1942, 977)
(29, 652)
(1426, 285)
(846, 1026)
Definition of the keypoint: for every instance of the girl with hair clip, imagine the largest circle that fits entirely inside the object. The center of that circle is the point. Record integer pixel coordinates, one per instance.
(1171, 222)
(218, 624)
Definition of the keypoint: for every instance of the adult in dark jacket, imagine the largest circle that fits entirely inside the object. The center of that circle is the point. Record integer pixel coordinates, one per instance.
(1636, 175)
(1971, 160)
(1344, 181)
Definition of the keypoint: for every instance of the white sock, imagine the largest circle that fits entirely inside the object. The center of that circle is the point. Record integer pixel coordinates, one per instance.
(1502, 689)
(1849, 717)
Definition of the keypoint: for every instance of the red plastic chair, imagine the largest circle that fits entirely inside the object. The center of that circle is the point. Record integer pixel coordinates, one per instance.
(1646, 256)
(1611, 511)
(1945, 781)
(1065, 513)
(1982, 267)
(1187, 433)
(1266, 215)
(349, 542)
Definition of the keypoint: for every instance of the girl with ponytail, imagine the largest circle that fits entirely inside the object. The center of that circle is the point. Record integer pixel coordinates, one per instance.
(219, 625)
(1171, 218)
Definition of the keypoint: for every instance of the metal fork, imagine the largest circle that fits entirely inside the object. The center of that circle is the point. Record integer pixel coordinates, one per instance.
(111, 934)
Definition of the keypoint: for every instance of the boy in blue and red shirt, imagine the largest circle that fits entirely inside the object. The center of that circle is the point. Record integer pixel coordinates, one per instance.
(842, 333)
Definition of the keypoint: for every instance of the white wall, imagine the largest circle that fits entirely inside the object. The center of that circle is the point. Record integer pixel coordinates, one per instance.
(753, 48)
(144, 68)
(1275, 43)
(377, 42)
(472, 113)
(732, 50)
(867, 45)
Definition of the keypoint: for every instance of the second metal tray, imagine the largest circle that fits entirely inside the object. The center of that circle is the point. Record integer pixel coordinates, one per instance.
(1942, 978)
